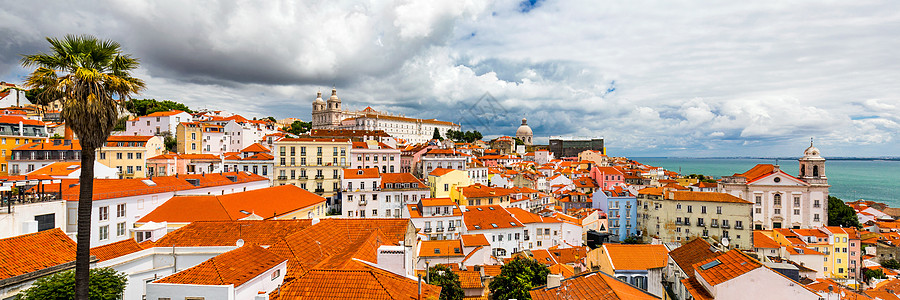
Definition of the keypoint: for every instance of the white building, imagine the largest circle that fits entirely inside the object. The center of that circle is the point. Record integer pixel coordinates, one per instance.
(370, 193)
(329, 115)
(255, 159)
(502, 230)
(438, 218)
(442, 158)
(215, 140)
(156, 123)
(251, 271)
(373, 154)
(780, 199)
(118, 203)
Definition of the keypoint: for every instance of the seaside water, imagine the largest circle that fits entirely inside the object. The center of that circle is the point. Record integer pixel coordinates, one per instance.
(873, 180)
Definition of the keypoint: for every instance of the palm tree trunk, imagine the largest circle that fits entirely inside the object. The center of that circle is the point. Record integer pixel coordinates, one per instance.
(85, 205)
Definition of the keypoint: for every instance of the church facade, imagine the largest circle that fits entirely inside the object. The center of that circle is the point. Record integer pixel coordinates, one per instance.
(781, 200)
(328, 114)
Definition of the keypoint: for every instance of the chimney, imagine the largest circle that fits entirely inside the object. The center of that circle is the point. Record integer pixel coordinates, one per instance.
(68, 134)
(553, 280)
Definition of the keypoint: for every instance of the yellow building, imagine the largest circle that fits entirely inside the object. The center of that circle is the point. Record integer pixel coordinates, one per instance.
(444, 181)
(129, 153)
(14, 132)
(478, 194)
(313, 164)
(189, 138)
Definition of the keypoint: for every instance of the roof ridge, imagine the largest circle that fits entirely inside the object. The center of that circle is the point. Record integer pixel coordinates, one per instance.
(215, 267)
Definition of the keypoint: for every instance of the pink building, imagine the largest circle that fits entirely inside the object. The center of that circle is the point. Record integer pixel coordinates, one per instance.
(608, 177)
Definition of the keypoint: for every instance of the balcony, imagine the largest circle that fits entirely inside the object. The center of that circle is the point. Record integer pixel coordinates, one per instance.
(363, 202)
(303, 177)
(700, 224)
(714, 225)
(527, 238)
(439, 229)
(726, 226)
(427, 230)
(319, 191)
(282, 177)
(451, 229)
(738, 227)
(320, 177)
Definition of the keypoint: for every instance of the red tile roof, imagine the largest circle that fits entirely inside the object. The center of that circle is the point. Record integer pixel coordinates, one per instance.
(226, 233)
(728, 265)
(361, 173)
(234, 267)
(636, 257)
(440, 248)
(596, 285)
(266, 202)
(120, 248)
(75, 145)
(165, 113)
(400, 178)
(255, 147)
(116, 188)
(441, 171)
(57, 169)
(34, 251)
(707, 197)
(761, 240)
(472, 240)
(691, 253)
(7, 119)
(470, 279)
(359, 283)
(488, 217)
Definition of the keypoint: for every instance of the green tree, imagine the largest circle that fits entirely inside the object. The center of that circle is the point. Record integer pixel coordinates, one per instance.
(299, 127)
(143, 107)
(892, 264)
(632, 240)
(270, 118)
(869, 274)
(441, 275)
(518, 141)
(91, 76)
(436, 135)
(517, 278)
(170, 142)
(106, 284)
(839, 214)
(473, 136)
(120, 124)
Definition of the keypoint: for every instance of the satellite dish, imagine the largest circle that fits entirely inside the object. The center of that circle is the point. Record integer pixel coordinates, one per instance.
(240, 242)
(725, 242)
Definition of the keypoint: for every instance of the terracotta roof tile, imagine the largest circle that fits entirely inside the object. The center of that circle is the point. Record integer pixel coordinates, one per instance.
(361, 173)
(441, 171)
(234, 267)
(470, 279)
(595, 285)
(34, 251)
(226, 233)
(691, 253)
(707, 197)
(724, 267)
(440, 248)
(488, 217)
(637, 257)
(362, 284)
(120, 248)
(400, 178)
(696, 289)
(761, 240)
(491, 270)
(472, 240)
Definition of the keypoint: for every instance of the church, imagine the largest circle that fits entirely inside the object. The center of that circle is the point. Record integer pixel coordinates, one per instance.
(780, 199)
(328, 114)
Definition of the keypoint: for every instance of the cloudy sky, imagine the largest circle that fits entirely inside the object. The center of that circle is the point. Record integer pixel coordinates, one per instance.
(666, 78)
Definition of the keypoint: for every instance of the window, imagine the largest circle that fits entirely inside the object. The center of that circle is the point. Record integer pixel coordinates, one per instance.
(119, 155)
(120, 210)
(104, 232)
(796, 212)
(130, 155)
(120, 229)
(102, 155)
(816, 204)
(104, 213)
(758, 200)
(718, 210)
(796, 200)
(777, 199)
(276, 274)
(758, 210)
(689, 208)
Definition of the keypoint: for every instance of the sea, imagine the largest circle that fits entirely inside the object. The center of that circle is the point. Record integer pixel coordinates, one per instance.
(850, 179)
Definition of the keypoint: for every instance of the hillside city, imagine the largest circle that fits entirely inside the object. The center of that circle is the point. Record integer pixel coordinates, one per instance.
(215, 205)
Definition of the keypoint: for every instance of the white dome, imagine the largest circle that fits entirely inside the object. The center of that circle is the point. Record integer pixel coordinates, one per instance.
(812, 152)
(334, 96)
(524, 130)
(319, 98)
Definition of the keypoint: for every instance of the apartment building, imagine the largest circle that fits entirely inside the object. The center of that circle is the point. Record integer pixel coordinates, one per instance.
(312, 164)
(129, 153)
(189, 138)
(14, 132)
(35, 155)
(678, 216)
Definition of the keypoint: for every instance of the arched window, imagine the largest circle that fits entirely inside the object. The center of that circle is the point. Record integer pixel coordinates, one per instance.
(640, 282)
(777, 199)
(802, 170)
(815, 171)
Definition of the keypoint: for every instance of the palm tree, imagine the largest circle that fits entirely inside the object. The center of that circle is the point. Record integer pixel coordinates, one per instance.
(90, 76)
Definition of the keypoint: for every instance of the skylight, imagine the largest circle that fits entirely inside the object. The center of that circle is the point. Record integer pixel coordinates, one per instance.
(494, 225)
(149, 182)
(711, 264)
